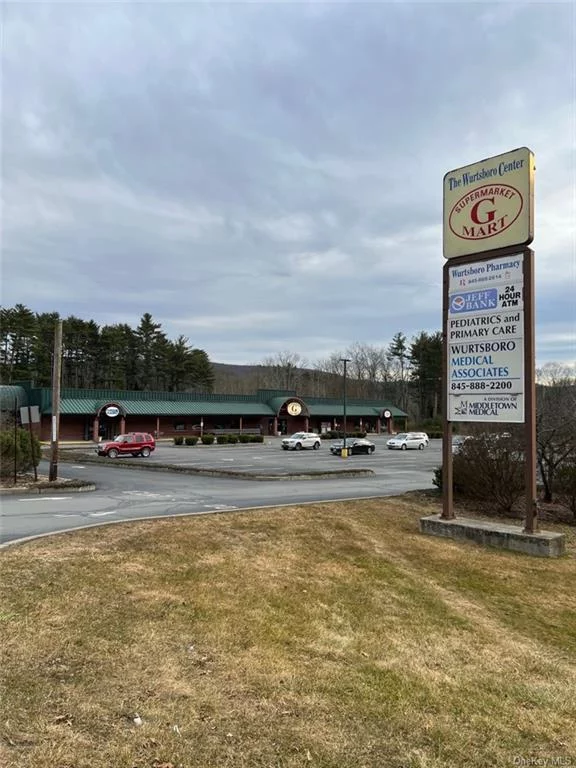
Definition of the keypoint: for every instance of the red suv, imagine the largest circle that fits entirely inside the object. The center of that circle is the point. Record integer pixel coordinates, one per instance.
(133, 443)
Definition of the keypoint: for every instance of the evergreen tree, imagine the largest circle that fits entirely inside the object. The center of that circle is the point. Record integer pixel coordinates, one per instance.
(116, 357)
(18, 330)
(426, 372)
(203, 373)
(150, 351)
(79, 352)
(399, 360)
(44, 348)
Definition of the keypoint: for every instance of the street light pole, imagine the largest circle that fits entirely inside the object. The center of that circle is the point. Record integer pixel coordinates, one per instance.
(344, 452)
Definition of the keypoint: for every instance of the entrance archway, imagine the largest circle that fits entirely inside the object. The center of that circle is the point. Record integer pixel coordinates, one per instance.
(110, 421)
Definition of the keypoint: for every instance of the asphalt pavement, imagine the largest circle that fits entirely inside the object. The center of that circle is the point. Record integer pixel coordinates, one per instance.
(124, 494)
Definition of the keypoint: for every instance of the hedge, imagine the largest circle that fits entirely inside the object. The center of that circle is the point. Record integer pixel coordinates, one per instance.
(27, 452)
(333, 434)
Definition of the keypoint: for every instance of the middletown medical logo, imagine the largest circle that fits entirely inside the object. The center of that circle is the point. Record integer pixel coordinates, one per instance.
(474, 301)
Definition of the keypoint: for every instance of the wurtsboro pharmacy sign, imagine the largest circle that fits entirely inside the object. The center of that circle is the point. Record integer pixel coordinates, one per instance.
(490, 204)
(485, 338)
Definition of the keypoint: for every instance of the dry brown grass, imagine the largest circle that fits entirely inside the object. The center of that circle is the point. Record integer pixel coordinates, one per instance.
(331, 635)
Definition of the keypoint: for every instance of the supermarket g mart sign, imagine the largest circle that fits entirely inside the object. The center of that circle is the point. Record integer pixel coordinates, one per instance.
(489, 204)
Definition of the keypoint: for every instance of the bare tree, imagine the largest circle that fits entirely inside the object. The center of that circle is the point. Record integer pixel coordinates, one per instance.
(556, 374)
(555, 432)
(284, 370)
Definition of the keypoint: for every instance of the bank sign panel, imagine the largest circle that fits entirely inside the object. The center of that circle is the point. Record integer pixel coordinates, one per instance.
(485, 337)
(489, 204)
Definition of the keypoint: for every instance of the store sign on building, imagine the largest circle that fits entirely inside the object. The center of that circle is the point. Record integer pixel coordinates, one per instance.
(485, 337)
(490, 204)
(112, 411)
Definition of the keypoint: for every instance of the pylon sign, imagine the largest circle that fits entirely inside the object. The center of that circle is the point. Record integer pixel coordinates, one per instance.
(488, 306)
(490, 204)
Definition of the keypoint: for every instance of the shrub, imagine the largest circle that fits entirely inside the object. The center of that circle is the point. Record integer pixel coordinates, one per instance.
(244, 438)
(256, 438)
(178, 439)
(488, 468)
(566, 487)
(208, 439)
(223, 439)
(192, 440)
(232, 439)
(27, 452)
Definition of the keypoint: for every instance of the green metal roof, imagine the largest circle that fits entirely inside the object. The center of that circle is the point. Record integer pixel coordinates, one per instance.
(352, 410)
(12, 396)
(89, 401)
(163, 408)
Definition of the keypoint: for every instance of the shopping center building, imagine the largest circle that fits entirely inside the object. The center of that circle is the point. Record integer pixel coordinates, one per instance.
(93, 414)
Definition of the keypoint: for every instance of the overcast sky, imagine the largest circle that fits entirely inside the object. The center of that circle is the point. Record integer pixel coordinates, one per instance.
(268, 177)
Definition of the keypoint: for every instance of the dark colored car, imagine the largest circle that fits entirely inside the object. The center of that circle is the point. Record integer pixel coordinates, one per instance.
(354, 445)
(130, 444)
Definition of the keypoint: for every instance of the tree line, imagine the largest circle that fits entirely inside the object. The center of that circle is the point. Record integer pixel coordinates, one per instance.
(100, 357)
(405, 372)
(118, 356)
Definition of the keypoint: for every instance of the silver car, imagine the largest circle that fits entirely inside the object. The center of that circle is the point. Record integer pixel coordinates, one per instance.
(458, 443)
(300, 440)
(406, 441)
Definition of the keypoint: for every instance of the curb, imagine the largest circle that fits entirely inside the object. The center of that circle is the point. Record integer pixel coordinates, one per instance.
(47, 489)
(156, 467)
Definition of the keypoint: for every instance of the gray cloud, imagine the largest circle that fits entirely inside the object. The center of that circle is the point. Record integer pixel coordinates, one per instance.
(268, 176)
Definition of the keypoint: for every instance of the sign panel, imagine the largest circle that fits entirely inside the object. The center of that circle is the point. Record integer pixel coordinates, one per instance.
(485, 337)
(112, 411)
(490, 204)
(30, 413)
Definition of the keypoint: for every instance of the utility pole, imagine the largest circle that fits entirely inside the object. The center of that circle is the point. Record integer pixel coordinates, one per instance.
(56, 377)
(15, 440)
(344, 452)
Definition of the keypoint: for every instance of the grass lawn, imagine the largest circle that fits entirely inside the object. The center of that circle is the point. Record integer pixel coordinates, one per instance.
(331, 635)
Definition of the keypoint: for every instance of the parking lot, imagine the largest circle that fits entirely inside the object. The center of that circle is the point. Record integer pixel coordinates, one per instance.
(269, 457)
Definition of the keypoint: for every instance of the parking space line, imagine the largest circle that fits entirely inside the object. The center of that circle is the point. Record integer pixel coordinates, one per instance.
(47, 498)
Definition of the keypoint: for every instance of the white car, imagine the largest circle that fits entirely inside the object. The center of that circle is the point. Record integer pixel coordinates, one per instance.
(408, 440)
(301, 440)
(458, 443)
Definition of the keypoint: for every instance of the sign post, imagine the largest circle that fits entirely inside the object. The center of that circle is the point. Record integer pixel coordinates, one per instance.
(30, 414)
(488, 306)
